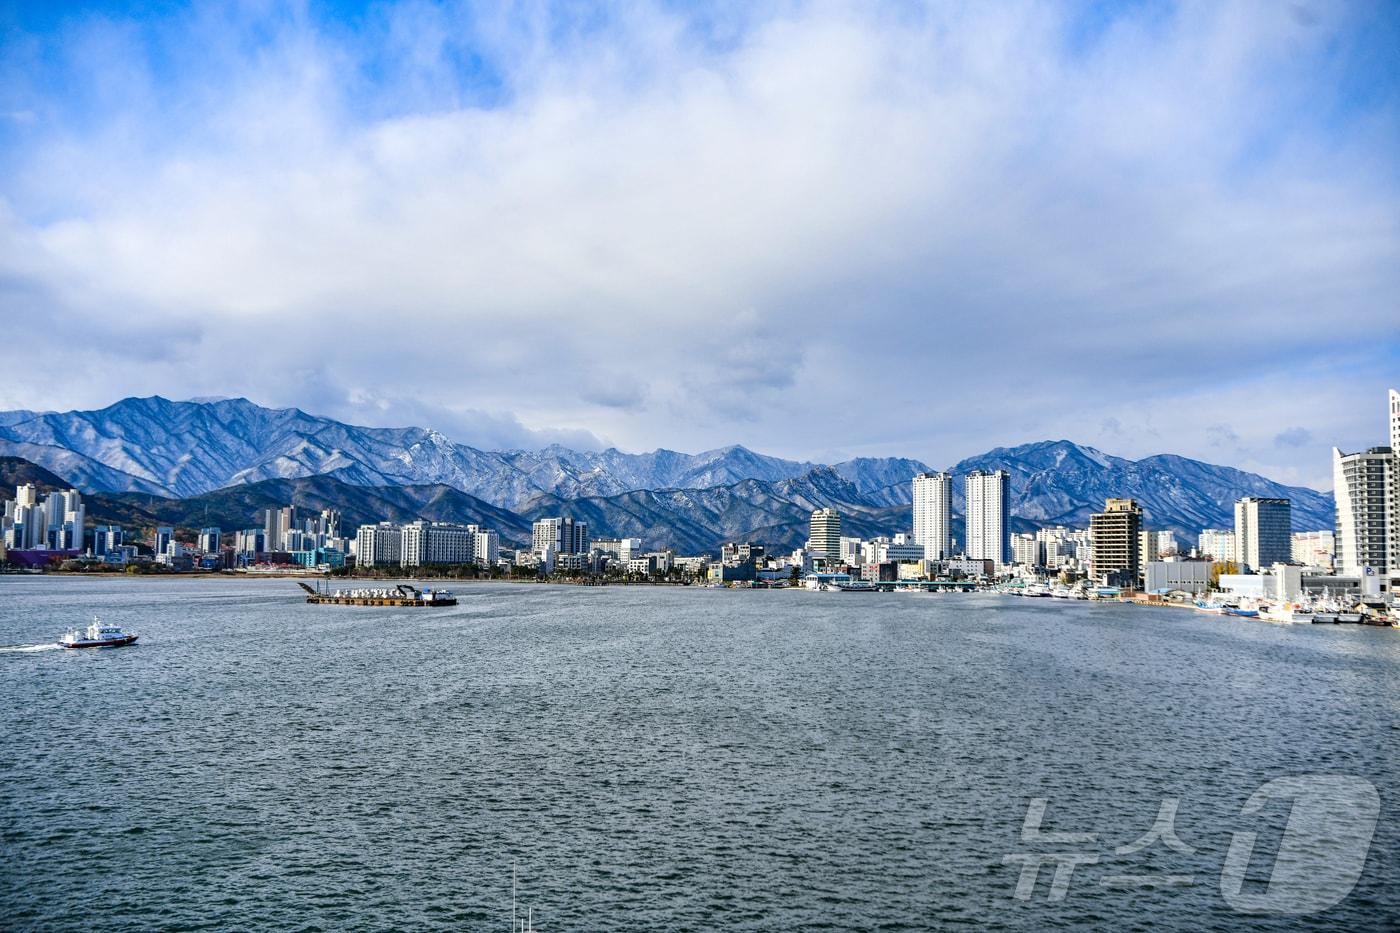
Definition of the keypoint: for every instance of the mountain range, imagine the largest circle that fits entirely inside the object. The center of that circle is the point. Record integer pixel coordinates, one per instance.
(219, 461)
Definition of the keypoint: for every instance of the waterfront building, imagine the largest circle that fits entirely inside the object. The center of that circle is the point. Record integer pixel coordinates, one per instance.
(1367, 490)
(824, 540)
(1116, 540)
(1055, 547)
(66, 516)
(436, 543)
(560, 535)
(1314, 548)
(1263, 531)
(883, 550)
(379, 545)
(164, 544)
(988, 505)
(735, 554)
(1191, 575)
(1025, 550)
(609, 547)
(933, 497)
(106, 538)
(1218, 544)
(250, 542)
(486, 548)
(622, 549)
(55, 523)
(1363, 485)
(852, 551)
(276, 522)
(210, 539)
(1147, 547)
(1166, 543)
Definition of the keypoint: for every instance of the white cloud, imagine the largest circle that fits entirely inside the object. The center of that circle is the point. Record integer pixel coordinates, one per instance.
(887, 229)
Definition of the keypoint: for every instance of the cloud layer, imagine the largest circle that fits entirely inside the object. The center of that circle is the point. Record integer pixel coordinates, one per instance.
(820, 230)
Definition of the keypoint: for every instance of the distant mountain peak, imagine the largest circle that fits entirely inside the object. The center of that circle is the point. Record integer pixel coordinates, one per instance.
(193, 447)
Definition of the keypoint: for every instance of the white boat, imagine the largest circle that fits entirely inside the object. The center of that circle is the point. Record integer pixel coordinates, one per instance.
(1281, 614)
(97, 635)
(857, 586)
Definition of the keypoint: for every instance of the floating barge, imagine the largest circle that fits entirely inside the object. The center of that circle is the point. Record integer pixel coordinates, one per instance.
(401, 595)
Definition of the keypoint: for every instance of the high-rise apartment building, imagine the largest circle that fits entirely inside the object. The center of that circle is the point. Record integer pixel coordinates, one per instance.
(933, 509)
(560, 536)
(1147, 547)
(1116, 534)
(1314, 548)
(1218, 544)
(436, 543)
(379, 545)
(1263, 531)
(54, 523)
(1025, 550)
(988, 507)
(824, 539)
(1363, 484)
(486, 549)
(1367, 490)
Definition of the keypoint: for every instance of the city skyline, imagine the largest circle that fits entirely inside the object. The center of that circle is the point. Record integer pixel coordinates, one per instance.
(396, 215)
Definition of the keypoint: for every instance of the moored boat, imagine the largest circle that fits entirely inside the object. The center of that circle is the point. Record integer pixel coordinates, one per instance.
(97, 635)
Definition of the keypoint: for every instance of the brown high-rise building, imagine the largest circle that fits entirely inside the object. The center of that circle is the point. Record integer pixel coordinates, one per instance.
(1116, 544)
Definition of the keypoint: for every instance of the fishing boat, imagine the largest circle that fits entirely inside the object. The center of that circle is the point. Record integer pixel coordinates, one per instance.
(97, 635)
(1240, 612)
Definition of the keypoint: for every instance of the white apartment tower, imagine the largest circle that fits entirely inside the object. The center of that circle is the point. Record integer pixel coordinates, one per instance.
(436, 543)
(824, 539)
(379, 545)
(1367, 490)
(988, 497)
(1363, 484)
(559, 536)
(486, 548)
(933, 498)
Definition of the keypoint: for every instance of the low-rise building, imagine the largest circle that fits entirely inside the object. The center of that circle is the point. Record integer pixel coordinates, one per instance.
(1190, 576)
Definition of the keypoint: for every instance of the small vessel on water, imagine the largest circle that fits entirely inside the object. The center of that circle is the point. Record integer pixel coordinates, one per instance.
(97, 635)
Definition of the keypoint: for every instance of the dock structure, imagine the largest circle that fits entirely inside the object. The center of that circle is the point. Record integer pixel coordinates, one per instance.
(401, 595)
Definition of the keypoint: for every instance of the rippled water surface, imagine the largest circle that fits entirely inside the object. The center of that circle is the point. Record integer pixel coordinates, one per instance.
(661, 759)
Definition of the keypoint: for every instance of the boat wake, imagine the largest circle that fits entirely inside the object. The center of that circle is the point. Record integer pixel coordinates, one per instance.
(15, 649)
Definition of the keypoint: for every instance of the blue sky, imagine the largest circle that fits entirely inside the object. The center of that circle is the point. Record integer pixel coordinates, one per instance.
(818, 229)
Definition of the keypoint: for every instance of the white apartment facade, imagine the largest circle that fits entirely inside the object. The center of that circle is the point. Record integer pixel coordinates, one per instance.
(933, 498)
(988, 498)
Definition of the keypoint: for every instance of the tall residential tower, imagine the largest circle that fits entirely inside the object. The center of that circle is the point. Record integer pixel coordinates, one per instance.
(825, 538)
(988, 498)
(933, 498)
(1366, 486)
